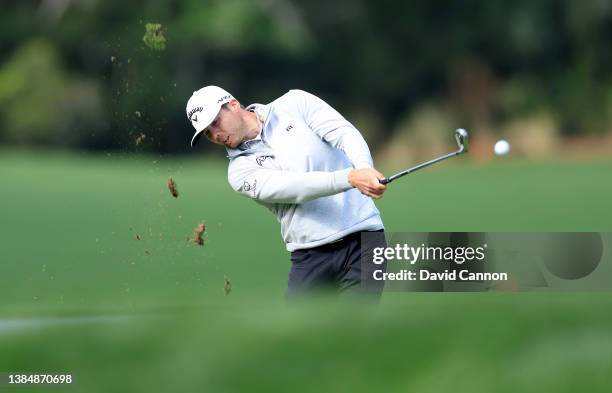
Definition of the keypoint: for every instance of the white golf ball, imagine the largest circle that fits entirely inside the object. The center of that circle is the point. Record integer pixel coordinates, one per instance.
(502, 148)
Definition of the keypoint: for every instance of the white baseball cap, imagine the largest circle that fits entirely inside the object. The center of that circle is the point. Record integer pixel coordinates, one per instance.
(204, 106)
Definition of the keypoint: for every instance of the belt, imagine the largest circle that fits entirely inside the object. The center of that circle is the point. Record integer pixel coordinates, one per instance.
(335, 244)
(348, 237)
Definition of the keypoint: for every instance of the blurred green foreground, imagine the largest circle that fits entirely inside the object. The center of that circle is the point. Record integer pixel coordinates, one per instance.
(99, 279)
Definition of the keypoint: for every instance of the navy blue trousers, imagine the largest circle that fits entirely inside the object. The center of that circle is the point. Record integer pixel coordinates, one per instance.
(341, 266)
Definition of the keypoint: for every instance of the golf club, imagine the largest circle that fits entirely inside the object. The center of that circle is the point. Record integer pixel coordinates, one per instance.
(461, 136)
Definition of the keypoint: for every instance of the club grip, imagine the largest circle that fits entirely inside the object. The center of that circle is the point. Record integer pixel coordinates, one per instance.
(384, 181)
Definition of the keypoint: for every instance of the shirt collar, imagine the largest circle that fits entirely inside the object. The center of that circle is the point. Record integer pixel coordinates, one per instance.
(263, 113)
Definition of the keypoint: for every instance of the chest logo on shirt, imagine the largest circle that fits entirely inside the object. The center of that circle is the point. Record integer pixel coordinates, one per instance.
(289, 127)
(261, 159)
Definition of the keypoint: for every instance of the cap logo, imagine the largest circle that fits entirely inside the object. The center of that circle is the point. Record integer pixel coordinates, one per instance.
(193, 111)
(227, 97)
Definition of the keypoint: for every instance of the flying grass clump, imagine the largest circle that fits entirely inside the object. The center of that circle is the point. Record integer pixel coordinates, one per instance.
(154, 36)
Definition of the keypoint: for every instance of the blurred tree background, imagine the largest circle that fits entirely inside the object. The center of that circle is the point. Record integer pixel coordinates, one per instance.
(77, 74)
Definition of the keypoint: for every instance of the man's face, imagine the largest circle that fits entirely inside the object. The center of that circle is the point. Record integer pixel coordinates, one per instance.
(228, 128)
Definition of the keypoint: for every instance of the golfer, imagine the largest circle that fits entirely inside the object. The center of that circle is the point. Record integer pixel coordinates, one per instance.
(310, 167)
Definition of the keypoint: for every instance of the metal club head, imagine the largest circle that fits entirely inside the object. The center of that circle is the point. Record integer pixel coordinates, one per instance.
(463, 140)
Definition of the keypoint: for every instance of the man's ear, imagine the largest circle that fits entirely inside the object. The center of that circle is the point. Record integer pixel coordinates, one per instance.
(234, 104)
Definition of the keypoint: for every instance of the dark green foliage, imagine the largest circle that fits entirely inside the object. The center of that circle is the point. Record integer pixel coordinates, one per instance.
(378, 60)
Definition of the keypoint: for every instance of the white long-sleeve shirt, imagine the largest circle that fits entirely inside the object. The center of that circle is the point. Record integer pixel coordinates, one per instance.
(298, 168)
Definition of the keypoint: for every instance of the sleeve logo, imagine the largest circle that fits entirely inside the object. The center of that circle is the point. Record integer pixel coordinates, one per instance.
(246, 186)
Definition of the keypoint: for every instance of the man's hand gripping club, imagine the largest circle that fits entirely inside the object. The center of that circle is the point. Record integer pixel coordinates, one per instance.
(366, 180)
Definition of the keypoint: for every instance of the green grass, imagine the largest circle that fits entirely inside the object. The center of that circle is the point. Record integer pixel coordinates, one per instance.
(68, 232)
(421, 342)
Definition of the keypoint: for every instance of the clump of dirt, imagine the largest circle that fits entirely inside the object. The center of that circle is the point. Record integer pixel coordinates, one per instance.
(172, 188)
(227, 285)
(197, 234)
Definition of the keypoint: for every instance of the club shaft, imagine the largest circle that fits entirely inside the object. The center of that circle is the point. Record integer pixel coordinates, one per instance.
(420, 166)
